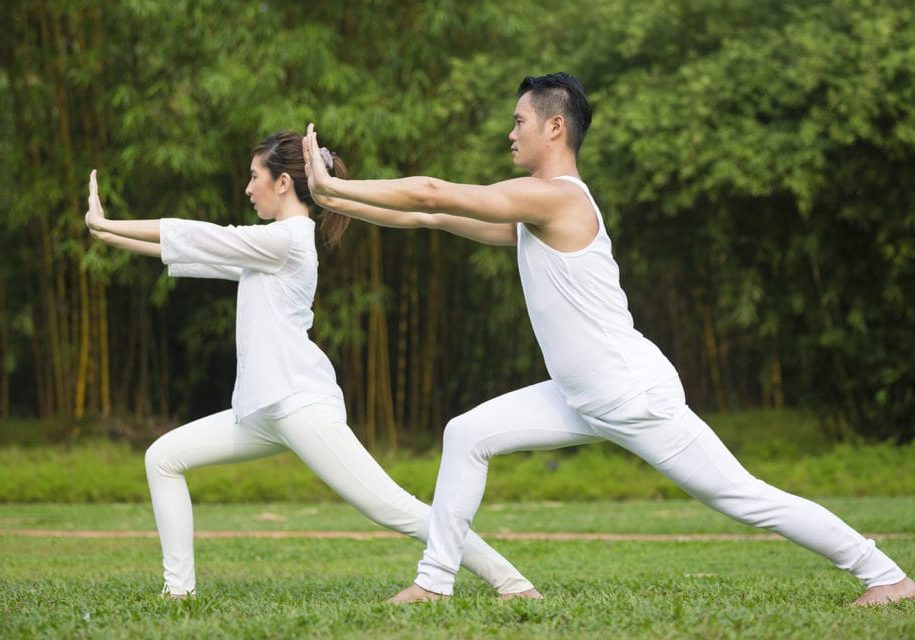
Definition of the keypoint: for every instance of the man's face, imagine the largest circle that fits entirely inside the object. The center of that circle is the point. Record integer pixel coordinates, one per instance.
(527, 136)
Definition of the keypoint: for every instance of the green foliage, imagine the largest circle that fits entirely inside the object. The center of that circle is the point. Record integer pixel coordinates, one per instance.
(754, 160)
(760, 157)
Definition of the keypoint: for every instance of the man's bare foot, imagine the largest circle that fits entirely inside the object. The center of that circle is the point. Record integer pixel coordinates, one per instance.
(902, 590)
(415, 593)
(532, 594)
(165, 595)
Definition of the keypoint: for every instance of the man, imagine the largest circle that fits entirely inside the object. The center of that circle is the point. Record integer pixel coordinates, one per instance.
(608, 382)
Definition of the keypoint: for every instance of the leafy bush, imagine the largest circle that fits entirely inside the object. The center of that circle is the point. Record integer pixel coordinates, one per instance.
(785, 448)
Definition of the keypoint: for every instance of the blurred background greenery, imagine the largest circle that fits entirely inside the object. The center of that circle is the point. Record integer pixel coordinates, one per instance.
(754, 160)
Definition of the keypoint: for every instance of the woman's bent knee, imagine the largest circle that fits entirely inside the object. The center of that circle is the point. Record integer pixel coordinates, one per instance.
(159, 461)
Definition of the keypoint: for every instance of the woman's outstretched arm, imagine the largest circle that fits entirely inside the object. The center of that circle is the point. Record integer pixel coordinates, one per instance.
(145, 230)
(142, 238)
(140, 247)
(260, 247)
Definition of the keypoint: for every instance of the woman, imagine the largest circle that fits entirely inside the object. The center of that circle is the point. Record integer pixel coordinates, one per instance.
(286, 395)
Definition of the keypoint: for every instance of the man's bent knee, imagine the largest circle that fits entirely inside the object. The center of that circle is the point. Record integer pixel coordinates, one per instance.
(461, 436)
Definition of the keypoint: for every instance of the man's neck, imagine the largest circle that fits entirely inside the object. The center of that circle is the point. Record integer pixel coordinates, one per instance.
(557, 166)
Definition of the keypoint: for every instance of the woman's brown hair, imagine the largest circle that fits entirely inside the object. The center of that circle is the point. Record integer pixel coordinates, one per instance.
(281, 152)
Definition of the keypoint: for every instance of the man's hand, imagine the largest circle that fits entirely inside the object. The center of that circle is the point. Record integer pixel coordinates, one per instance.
(318, 175)
(95, 216)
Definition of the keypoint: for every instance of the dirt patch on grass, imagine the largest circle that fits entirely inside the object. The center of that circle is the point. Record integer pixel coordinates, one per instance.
(375, 535)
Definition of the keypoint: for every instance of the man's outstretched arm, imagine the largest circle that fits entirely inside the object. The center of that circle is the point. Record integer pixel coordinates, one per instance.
(500, 234)
(529, 200)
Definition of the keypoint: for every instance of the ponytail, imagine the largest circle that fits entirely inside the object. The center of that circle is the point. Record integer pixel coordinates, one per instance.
(333, 224)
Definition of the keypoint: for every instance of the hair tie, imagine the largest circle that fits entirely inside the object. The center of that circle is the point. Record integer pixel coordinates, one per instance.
(328, 158)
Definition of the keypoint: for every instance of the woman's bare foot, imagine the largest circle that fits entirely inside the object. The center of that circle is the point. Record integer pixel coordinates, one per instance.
(415, 593)
(902, 590)
(532, 594)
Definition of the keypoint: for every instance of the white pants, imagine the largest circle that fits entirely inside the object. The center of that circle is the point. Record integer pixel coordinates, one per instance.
(319, 435)
(658, 427)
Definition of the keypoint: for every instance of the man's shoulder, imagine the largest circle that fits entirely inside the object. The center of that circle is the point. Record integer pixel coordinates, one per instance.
(544, 185)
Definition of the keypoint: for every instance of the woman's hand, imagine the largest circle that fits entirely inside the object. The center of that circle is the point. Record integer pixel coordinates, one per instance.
(138, 236)
(95, 216)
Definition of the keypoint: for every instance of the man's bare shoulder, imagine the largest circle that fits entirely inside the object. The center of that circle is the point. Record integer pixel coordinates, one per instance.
(541, 187)
(533, 180)
(569, 221)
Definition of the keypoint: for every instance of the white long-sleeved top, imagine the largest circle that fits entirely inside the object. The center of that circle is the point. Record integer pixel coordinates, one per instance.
(276, 267)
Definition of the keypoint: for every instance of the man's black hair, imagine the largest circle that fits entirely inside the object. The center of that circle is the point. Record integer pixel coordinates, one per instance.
(560, 94)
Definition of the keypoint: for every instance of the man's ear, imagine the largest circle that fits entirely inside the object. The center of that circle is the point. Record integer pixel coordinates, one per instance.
(556, 125)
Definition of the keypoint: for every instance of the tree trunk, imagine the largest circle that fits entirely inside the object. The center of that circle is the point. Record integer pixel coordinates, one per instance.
(51, 318)
(163, 378)
(416, 365)
(44, 393)
(403, 320)
(778, 392)
(51, 30)
(711, 349)
(141, 396)
(430, 350)
(6, 357)
(104, 377)
(380, 405)
(82, 368)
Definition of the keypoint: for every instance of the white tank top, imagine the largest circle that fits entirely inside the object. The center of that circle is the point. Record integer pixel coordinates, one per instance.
(582, 322)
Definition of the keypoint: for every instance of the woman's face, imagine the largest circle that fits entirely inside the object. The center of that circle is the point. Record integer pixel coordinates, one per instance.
(261, 190)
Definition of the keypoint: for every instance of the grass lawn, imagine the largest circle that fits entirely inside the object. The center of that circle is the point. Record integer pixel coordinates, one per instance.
(281, 588)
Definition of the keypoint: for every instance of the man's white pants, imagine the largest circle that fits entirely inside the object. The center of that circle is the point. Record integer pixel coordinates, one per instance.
(658, 427)
(320, 436)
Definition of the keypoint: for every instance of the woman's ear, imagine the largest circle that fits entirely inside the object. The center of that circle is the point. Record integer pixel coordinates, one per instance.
(283, 183)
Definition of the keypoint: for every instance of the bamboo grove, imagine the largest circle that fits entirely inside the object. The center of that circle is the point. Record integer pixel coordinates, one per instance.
(754, 162)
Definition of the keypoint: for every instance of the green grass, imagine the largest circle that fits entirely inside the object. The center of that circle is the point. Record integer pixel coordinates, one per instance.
(788, 448)
(106, 588)
(279, 588)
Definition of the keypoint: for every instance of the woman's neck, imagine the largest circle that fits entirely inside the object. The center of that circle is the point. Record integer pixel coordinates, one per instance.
(291, 209)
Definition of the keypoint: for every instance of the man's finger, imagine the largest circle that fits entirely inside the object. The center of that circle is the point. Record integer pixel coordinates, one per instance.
(314, 153)
(313, 138)
(93, 185)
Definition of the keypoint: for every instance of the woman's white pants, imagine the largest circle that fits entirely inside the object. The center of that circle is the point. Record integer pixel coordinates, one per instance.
(319, 435)
(658, 427)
